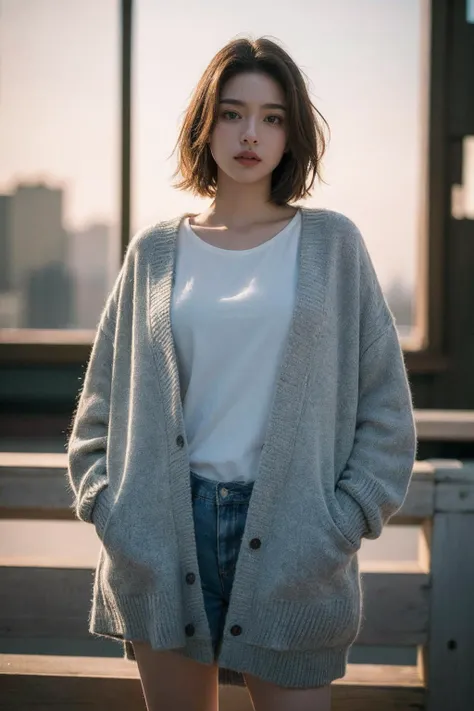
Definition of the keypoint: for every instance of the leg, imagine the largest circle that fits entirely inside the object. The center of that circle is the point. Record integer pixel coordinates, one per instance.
(173, 682)
(270, 697)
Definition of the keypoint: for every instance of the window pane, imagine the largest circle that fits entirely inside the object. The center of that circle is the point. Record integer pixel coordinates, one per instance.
(366, 63)
(59, 180)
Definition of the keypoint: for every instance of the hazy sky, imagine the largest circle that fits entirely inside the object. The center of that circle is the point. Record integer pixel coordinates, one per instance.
(365, 60)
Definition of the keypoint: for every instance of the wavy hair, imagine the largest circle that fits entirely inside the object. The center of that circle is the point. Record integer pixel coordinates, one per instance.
(295, 175)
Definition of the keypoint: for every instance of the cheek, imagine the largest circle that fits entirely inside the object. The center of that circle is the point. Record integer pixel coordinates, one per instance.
(221, 135)
(277, 142)
(280, 141)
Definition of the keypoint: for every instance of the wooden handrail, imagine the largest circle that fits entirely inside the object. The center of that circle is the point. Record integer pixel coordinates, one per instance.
(445, 425)
(396, 603)
(34, 486)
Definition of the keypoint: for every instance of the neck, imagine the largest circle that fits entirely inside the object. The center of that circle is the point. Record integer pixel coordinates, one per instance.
(238, 206)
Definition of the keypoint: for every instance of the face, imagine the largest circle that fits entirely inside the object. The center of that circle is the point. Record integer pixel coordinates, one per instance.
(251, 117)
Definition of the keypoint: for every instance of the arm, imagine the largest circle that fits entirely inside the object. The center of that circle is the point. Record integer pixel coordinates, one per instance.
(87, 448)
(376, 478)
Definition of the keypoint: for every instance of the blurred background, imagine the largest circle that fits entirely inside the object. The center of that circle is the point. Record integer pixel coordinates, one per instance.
(367, 66)
(91, 97)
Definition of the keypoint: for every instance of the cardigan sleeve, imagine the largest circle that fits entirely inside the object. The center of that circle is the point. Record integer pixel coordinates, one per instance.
(375, 480)
(87, 446)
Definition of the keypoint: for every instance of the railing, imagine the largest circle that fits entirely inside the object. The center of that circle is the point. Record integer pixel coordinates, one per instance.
(428, 603)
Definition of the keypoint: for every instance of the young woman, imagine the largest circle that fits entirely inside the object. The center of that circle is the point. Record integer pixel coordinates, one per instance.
(246, 418)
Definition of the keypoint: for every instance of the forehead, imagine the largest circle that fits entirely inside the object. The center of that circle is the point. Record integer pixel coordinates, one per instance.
(253, 87)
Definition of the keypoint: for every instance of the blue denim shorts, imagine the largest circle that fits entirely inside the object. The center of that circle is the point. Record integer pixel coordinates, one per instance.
(220, 513)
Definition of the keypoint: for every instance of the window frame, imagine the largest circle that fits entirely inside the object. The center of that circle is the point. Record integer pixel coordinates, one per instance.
(24, 354)
(431, 297)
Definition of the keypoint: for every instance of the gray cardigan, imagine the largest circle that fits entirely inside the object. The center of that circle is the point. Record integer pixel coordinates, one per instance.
(335, 466)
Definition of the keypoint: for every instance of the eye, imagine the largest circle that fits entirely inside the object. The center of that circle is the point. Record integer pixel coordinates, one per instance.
(225, 114)
(279, 119)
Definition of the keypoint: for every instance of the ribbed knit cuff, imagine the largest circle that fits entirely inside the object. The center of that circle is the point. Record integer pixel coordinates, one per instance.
(87, 496)
(100, 510)
(352, 521)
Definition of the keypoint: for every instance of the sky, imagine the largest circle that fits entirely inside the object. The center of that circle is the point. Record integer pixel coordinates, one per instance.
(367, 69)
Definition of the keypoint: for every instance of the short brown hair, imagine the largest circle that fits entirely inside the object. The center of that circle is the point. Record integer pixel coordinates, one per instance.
(294, 177)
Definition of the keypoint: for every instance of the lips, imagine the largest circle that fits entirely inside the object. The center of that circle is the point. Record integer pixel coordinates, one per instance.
(248, 155)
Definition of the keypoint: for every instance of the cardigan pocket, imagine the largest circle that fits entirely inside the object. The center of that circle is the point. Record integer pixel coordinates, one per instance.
(312, 563)
(325, 622)
(346, 544)
(310, 597)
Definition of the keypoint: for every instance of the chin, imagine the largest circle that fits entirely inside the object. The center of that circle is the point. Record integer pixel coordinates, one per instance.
(246, 175)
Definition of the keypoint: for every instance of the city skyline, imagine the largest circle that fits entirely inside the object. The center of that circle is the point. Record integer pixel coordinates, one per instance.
(61, 278)
(51, 277)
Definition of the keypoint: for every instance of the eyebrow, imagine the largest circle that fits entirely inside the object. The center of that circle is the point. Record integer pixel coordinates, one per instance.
(237, 102)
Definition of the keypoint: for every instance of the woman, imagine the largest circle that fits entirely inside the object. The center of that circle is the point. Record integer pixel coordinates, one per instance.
(246, 417)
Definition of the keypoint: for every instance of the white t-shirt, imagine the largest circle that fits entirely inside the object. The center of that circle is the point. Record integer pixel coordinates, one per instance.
(231, 312)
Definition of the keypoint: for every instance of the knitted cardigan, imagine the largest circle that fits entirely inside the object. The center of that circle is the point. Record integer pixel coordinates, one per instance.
(334, 467)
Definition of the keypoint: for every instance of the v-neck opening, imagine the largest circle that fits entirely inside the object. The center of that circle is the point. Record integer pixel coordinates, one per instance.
(307, 324)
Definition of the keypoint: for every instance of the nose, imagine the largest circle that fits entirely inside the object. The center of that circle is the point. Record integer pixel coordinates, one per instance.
(249, 134)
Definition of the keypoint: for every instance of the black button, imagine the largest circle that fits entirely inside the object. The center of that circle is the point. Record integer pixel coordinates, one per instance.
(180, 441)
(235, 630)
(189, 629)
(255, 543)
(190, 578)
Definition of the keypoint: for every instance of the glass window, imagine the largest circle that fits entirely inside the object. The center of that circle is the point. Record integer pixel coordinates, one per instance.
(366, 63)
(59, 172)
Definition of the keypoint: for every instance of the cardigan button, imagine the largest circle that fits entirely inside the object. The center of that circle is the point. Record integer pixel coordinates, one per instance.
(190, 578)
(180, 441)
(235, 630)
(255, 543)
(189, 629)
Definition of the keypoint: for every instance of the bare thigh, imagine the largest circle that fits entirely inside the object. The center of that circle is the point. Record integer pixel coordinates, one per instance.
(173, 682)
(270, 697)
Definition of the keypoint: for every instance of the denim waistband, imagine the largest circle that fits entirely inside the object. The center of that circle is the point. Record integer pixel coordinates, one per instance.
(228, 492)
